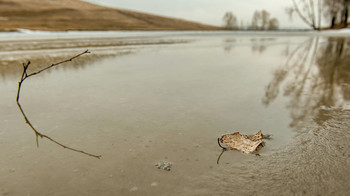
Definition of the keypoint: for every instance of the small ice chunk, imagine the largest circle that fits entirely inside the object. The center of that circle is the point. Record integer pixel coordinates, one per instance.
(266, 136)
(164, 165)
(154, 184)
(346, 107)
(134, 188)
(325, 108)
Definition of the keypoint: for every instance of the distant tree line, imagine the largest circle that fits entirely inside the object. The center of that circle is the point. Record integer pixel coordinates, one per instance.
(261, 20)
(311, 12)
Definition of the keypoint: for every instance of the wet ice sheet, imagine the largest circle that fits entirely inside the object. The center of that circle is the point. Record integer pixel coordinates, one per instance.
(165, 103)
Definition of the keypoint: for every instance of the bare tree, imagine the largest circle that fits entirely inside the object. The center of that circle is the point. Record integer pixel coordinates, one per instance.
(256, 20)
(332, 10)
(310, 11)
(230, 20)
(346, 12)
(273, 24)
(336, 11)
(265, 17)
(261, 21)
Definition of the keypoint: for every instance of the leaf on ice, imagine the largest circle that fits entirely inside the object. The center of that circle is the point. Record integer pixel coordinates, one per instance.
(243, 143)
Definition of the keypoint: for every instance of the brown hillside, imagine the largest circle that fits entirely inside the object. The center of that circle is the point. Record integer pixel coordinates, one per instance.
(61, 15)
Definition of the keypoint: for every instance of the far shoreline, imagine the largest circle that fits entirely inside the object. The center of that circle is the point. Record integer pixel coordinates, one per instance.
(288, 32)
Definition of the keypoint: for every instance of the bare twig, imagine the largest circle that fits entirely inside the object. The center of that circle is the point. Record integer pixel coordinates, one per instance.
(222, 152)
(24, 76)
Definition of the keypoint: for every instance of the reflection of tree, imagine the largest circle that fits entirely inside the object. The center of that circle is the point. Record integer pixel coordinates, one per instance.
(229, 44)
(260, 45)
(258, 48)
(314, 76)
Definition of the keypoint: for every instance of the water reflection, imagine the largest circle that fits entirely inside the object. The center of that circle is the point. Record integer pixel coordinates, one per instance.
(260, 45)
(41, 52)
(12, 68)
(315, 77)
(26, 75)
(257, 44)
(137, 111)
(229, 44)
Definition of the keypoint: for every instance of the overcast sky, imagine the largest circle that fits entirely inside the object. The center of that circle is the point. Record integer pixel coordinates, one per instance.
(208, 11)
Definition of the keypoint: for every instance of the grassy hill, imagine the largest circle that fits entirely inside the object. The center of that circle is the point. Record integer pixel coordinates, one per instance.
(61, 15)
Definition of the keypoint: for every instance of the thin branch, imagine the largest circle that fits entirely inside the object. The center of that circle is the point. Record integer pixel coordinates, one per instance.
(319, 14)
(24, 76)
(312, 8)
(296, 8)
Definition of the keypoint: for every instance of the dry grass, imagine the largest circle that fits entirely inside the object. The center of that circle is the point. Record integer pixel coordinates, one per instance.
(61, 15)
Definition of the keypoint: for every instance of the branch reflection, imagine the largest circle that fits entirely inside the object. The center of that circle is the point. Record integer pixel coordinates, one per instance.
(315, 78)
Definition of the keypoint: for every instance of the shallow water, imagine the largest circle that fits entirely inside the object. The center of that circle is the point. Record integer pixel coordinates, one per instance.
(169, 101)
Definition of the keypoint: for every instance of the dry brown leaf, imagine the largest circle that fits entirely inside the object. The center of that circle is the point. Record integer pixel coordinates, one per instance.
(242, 143)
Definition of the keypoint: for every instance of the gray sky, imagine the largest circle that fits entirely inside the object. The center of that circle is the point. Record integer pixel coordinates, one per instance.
(208, 11)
